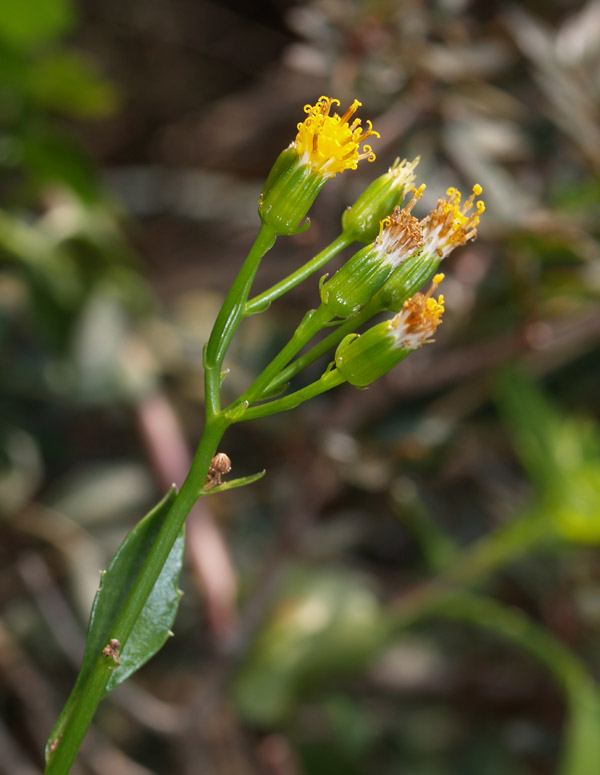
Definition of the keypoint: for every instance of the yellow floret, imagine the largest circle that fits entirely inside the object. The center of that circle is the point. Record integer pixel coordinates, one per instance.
(330, 144)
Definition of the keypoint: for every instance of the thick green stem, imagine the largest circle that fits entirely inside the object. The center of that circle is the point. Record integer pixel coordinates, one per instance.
(328, 381)
(230, 316)
(261, 302)
(94, 689)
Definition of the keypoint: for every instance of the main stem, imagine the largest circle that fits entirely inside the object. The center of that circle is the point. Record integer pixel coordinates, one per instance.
(229, 319)
(94, 688)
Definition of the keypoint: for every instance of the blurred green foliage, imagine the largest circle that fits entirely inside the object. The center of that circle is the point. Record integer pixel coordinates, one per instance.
(64, 255)
(326, 623)
(32, 23)
(562, 458)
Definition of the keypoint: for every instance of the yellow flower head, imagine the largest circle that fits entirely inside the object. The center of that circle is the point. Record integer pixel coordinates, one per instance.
(451, 225)
(330, 144)
(419, 318)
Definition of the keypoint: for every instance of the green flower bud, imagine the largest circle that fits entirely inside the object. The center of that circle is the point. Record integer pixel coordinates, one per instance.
(361, 359)
(359, 279)
(361, 220)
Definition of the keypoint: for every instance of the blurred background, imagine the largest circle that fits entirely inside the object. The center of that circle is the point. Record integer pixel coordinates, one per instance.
(317, 633)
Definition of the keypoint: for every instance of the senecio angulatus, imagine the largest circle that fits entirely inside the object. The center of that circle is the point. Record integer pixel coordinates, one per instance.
(399, 253)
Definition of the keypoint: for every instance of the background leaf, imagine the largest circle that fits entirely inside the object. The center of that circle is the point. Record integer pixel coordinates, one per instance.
(68, 82)
(561, 455)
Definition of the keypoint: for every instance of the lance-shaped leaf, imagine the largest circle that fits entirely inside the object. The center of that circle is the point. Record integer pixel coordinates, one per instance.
(152, 627)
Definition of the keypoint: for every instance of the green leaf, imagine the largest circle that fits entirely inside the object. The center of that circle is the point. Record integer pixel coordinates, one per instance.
(152, 628)
(26, 23)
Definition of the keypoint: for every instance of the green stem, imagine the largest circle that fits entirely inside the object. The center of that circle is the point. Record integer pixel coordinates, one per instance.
(262, 302)
(94, 689)
(328, 381)
(230, 316)
(324, 346)
(514, 625)
(581, 748)
(474, 564)
(310, 325)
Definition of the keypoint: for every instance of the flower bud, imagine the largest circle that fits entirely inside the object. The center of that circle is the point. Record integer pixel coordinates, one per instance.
(324, 146)
(361, 359)
(361, 221)
(355, 283)
(445, 228)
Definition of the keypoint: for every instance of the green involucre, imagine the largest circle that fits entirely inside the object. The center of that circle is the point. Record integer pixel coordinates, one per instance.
(356, 282)
(361, 220)
(288, 194)
(361, 359)
(406, 280)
